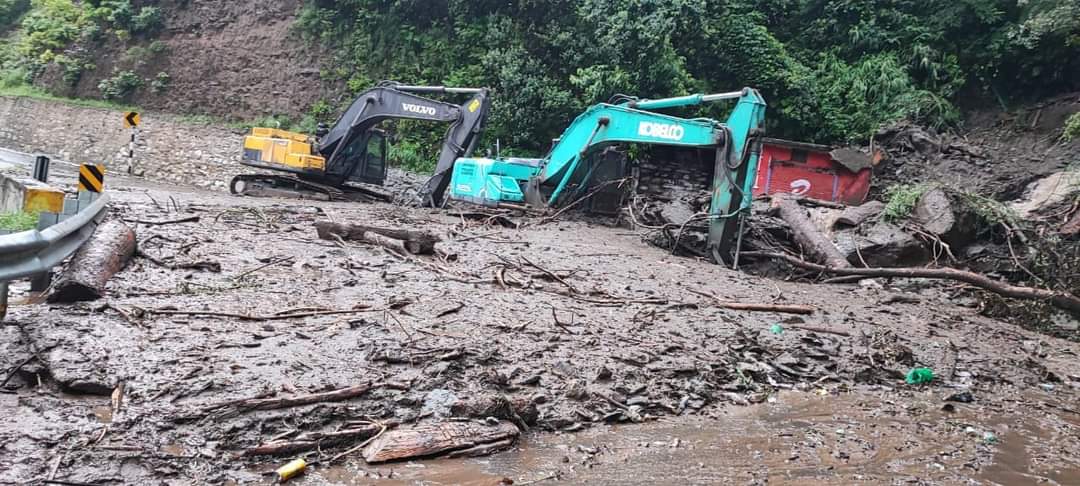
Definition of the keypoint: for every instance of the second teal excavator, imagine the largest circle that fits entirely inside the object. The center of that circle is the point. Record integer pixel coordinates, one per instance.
(571, 166)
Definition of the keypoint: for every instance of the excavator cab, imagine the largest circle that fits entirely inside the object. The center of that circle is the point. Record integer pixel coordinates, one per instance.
(366, 158)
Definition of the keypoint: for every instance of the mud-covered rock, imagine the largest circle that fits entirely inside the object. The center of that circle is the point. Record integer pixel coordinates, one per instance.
(940, 216)
(89, 357)
(880, 245)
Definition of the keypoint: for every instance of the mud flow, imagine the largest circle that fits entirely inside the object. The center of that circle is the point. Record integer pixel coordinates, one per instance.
(568, 352)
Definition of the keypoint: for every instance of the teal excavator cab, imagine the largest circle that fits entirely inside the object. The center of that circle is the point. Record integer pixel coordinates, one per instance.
(564, 173)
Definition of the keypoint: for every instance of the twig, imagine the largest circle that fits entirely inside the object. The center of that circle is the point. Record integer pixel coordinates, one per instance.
(69, 483)
(358, 447)
(245, 317)
(279, 403)
(16, 369)
(782, 308)
(189, 219)
(595, 190)
(550, 274)
(1060, 299)
(822, 330)
(56, 465)
(272, 262)
(554, 475)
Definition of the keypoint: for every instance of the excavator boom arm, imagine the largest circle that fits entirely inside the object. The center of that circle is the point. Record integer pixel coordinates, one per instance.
(603, 125)
(401, 102)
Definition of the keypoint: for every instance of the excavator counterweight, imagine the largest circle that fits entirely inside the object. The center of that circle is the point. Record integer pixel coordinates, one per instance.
(354, 149)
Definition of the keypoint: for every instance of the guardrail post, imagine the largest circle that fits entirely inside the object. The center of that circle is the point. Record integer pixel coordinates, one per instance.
(41, 168)
(3, 300)
(41, 282)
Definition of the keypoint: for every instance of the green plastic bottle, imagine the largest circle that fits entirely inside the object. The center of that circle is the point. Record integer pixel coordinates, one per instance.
(919, 375)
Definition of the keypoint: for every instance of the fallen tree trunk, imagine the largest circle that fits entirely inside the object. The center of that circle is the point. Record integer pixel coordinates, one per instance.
(433, 439)
(403, 241)
(102, 256)
(808, 236)
(313, 440)
(1062, 300)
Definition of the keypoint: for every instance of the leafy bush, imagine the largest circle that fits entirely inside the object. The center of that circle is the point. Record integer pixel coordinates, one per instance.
(120, 86)
(19, 221)
(10, 78)
(161, 83)
(73, 67)
(148, 20)
(411, 155)
(1072, 128)
(901, 200)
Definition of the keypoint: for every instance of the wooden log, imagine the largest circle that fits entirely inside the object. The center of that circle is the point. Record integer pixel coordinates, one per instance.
(434, 439)
(106, 252)
(313, 440)
(1059, 299)
(808, 236)
(404, 241)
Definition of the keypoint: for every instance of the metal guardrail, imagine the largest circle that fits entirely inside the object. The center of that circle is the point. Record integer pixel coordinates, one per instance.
(36, 252)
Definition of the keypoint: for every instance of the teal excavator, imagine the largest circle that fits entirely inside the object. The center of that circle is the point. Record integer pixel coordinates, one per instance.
(572, 166)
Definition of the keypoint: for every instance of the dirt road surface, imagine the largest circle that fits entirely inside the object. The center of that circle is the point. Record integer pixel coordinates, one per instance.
(639, 378)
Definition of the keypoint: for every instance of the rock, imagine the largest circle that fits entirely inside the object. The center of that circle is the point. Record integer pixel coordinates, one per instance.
(937, 214)
(86, 358)
(1047, 193)
(856, 215)
(852, 159)
(438, 402)
(962, 397)
(603, 374)
(880, 245)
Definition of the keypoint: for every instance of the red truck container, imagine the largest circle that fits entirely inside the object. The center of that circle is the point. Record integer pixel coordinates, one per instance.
(812, 171)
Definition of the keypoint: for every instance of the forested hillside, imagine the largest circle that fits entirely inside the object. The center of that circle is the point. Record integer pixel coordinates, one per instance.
(832, 70)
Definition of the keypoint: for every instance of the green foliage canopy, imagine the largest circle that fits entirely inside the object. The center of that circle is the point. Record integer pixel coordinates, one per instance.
(831, 70)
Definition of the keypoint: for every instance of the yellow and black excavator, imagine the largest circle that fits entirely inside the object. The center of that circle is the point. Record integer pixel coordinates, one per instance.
(328, 165)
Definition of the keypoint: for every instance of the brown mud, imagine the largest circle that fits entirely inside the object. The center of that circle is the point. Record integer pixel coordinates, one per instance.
(621, 334)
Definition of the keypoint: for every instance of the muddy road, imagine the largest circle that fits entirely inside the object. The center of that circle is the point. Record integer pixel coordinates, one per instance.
(635, 374)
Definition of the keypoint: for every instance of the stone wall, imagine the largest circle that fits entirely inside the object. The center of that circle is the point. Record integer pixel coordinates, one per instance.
(676, 172)
(168, 149)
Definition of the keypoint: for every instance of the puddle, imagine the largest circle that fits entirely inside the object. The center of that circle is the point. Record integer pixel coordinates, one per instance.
(801, 439)
(103, 413)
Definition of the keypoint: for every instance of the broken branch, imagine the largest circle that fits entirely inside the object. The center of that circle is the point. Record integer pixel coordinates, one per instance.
(1059, 299)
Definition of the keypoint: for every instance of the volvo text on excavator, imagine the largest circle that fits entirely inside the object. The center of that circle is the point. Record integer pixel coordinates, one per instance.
(572, 166)
(354, 149)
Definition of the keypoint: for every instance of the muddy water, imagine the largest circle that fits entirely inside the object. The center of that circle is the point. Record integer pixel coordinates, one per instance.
(800, 438)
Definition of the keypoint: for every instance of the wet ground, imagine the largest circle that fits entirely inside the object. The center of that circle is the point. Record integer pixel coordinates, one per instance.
(638, 377)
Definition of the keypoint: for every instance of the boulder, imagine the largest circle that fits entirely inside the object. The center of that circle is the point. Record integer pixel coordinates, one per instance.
(940, 216)
(856, 215)
(880, 245)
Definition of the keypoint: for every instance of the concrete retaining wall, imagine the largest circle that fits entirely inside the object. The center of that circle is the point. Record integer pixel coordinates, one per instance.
(168, 150)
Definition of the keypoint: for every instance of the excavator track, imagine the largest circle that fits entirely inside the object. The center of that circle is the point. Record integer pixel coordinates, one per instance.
(266, 185)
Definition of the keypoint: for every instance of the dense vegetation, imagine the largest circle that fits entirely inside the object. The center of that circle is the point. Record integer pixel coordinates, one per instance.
(831, 70)
(63, 35)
